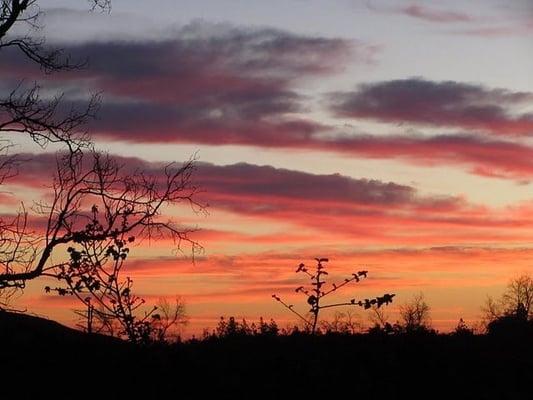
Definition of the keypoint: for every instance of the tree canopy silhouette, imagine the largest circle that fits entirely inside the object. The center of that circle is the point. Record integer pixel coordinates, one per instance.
(96, 204)
(513, 311)
(415, 314)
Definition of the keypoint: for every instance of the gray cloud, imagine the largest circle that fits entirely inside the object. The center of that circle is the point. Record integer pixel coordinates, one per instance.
(429, 103)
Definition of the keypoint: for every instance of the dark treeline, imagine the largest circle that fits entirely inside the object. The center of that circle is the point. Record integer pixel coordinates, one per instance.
(241, 362)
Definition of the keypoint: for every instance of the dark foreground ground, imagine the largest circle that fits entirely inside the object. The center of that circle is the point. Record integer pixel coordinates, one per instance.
(42, 359)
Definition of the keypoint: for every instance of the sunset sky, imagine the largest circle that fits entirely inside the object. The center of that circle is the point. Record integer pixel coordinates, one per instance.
(392, 136)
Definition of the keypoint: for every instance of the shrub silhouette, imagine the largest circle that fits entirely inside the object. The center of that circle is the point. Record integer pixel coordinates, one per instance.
(319, 289)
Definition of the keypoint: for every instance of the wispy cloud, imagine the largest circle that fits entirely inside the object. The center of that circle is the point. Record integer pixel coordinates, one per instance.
(510, 19)
(477, 154)
(434, 15)
(424, 12)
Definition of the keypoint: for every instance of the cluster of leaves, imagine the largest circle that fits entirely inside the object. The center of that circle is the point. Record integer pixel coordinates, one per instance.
(319, 289)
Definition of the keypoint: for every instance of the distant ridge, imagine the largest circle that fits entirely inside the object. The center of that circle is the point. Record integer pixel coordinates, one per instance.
(22, 329)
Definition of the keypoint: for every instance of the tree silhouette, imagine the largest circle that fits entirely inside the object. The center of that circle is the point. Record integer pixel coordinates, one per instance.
(319, 289)
(517, 299)
(97, 207)
(99, 238)
(46, 119)
(342, 322)
(380, 321)
(513, 311)
(112, 316)
(415, 314)
(168, 317)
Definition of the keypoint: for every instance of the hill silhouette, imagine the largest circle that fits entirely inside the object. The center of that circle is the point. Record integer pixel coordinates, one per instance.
(18, 329)
(43, 359)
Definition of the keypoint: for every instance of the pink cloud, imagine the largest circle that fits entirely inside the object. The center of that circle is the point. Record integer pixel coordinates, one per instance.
(340, 208)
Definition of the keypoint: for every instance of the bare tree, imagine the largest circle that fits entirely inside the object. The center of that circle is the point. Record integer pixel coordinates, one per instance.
(415, 314)
(27, 12)
(98, 210)
(318, 291)
(492, 310)
(170, 316)
(516, 301)
(519, 296)
(94, 319)
(18, 13)
(342, 322)
(96, 204)
(378, 317)
(23, 110)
